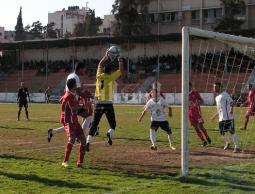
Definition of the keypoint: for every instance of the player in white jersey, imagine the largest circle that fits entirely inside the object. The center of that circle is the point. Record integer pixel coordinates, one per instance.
(225, 108)
(156, 105)
(79, 71)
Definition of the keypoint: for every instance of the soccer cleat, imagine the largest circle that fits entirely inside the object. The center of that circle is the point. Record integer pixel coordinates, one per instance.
(109, 138)
(50, 134)
(209, 140)
(242, 129)
(87, 147)
(172, 148)
(80, 165)
(64, 164)
(153, 147)
(226, 146)
(237, 150)
(204, 144)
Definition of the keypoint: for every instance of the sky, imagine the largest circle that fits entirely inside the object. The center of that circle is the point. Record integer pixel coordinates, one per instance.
(37, 10)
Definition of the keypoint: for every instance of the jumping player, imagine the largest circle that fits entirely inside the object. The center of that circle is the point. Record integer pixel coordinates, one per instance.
(156, 106)
(70, 107)
(79, 71)
(251, 106)
(104, 91)
(22, 96)
(195, 115)
(225, 108)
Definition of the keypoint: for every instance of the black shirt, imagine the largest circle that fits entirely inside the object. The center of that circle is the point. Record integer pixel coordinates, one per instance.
(23, 94)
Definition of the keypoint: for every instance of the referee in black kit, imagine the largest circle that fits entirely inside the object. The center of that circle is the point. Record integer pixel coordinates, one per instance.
(22, 100)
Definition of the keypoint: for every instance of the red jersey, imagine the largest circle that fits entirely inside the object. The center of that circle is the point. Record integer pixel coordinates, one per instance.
(194, 103)
(68, 101)
(86, 102)
(251, 100)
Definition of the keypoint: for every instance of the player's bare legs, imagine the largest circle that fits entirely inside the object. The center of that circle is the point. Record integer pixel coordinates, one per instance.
(170, 140)
(153, 138)
(19, 111)
(26, 111)
(246, 121)
(204, 132)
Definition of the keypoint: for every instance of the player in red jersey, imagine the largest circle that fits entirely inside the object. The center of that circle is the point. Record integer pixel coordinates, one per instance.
(195, 115)
(87, 108)
(69, 118)
(251, 106)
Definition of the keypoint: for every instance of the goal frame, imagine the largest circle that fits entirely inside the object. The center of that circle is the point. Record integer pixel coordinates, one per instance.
(186, 33)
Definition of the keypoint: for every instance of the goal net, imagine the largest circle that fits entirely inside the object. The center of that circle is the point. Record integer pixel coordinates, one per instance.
(207, 58)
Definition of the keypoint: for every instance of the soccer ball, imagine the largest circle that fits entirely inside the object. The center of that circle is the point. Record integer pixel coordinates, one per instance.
(113, 52)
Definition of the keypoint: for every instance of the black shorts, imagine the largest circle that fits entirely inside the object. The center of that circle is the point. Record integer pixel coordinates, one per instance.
(23, 103)
(162, 124)
(82, 112)
(226, 126)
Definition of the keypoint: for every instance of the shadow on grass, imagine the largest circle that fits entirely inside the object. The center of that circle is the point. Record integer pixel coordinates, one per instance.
(49, 182)
(21, 128)
(234, 182)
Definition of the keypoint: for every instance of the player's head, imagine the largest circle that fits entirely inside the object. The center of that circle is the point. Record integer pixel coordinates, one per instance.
(79, 68)
(113, 52)
(217, 87)
(71, 84)
(250, 86)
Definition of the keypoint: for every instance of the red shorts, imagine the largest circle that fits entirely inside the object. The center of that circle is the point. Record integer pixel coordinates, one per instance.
(73, 130)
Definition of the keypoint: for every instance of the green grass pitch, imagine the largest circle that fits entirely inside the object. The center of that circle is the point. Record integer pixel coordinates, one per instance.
(29, 164)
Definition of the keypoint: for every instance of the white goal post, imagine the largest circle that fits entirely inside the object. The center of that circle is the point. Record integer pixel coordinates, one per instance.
(186, 33)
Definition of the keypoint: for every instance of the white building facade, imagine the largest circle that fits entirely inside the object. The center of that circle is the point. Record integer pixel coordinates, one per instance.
(172, 15)
(65, 20)
(107, 26)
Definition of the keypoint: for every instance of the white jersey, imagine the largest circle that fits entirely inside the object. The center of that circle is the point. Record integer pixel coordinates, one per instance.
(157, 109)
(224, 104)
(77, 79)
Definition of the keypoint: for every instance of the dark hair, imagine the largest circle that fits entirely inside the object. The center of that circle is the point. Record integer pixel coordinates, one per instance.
(70, 83)
(79, 66)
(217, 84)
(250, 86)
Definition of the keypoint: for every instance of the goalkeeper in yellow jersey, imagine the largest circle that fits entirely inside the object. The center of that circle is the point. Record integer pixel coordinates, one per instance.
(104, 93)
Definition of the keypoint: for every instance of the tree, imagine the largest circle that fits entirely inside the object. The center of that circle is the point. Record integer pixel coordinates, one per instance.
(232, 8)
(48, 31)
(19, 29)
(129, 21)
(89, 27)
(36, 30)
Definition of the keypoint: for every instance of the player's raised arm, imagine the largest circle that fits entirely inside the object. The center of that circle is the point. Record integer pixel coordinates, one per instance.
(142, 115)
